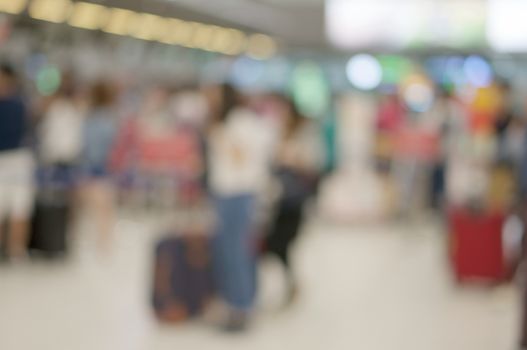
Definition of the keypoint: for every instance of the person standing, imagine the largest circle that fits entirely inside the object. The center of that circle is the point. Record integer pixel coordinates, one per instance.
(99, 130)
(61, 135)
(522, 208)
(505, 116)
(445, 121)
(239, 166)
(16, 167)
(298, 164)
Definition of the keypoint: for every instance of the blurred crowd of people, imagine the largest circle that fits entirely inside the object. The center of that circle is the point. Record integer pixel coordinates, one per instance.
(98, 145)
(450, 154)
(181, 147)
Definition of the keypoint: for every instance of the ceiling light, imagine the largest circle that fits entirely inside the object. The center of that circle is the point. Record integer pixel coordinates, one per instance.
(147, 27)
(12, 6)
(364, 72)
(235, 43)
(506, 25)
(211, 44)
(166, 36)
(54, 11)
(179, 32)
(220, 39)
(120, 21)
(202, 35)
(88, 16)
(261, 46)
(186, 34)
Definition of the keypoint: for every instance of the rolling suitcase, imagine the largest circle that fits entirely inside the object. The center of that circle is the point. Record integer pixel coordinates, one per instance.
(477, 245)
(50, 223)
(183, 278)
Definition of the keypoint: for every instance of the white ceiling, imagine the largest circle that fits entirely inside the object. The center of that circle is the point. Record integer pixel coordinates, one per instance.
(297, 22)
(297, 3)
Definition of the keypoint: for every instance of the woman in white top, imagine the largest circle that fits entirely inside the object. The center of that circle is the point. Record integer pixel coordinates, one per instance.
(60, 136)
(61, 131)
(239, 155)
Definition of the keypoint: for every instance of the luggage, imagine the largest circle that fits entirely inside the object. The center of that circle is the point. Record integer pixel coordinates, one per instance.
(478, 249)
(3, 240)
(183, 277)
(523, 331)
(183, 281)
(50, 223)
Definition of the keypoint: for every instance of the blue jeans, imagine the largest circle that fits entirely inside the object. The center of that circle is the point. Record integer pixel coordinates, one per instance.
(59, 175)
(234, 256)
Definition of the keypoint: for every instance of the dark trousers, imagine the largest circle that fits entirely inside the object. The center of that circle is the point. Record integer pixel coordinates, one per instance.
(437, 186)
(284, 231)
(523, 334)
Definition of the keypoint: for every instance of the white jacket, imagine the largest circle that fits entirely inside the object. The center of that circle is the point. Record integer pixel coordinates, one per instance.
(240, 154)
(61, 133)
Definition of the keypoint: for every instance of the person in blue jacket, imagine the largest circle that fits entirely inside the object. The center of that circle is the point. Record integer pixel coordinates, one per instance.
(16, 167)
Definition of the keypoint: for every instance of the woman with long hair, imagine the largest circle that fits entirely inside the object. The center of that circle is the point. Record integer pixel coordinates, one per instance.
(298, 165)
(238, 160)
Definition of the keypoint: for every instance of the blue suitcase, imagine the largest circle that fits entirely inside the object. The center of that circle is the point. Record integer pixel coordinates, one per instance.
(183, 278)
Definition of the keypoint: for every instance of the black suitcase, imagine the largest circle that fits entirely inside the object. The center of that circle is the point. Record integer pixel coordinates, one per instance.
(3, 240)
(50, 223)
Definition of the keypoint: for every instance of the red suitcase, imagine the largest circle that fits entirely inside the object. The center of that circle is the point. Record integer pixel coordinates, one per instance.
(477, 251)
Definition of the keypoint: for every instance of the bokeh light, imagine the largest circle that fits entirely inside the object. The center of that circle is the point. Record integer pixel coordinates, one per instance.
(418, 93)
(478, 71)
(364, 72)
(247, 72)
(394, 69)
(454, 71)
(48, 80)
(310, 89)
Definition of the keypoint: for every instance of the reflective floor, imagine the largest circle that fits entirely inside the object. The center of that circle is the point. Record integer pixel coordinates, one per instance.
(376, 288)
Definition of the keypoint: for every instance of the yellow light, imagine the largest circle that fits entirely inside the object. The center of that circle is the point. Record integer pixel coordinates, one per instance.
(234, 42)
(220, 40)
(167, 37)
(12, 6)
(120, 21)
(88, 16)
(186, 34)
(55, 11)
(201, 36)
(179, 33)
(148, 27)
(261, 46)
(160, 27)
(212, 42)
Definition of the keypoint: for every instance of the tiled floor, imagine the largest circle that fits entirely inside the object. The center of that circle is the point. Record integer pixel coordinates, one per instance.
(376, 288)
